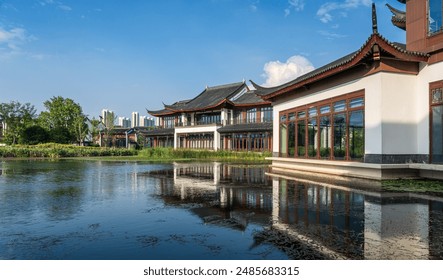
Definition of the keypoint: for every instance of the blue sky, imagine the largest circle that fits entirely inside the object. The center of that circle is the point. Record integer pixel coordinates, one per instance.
(135, 54)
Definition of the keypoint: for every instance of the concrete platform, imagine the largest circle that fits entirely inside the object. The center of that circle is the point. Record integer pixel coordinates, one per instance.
(372, 171)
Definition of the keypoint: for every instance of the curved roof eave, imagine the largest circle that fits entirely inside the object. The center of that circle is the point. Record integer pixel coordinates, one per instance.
(202, 108)
(344, 63)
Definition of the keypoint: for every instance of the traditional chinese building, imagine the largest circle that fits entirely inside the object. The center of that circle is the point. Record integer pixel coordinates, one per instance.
(230, 117)
(374, 113)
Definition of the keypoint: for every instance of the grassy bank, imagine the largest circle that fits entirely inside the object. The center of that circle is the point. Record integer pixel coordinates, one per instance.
(171, 154)
(52, 150)
(152, 154)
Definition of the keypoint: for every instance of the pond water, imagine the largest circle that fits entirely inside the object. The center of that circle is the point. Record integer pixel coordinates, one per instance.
(73, 209)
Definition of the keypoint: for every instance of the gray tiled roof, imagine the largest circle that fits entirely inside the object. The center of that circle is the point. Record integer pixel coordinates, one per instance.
(211, 96)
(248, 97)
(248, 127)
(159, 132)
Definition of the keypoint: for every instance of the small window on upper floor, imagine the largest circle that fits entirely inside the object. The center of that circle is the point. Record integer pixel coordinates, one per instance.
(435, 16)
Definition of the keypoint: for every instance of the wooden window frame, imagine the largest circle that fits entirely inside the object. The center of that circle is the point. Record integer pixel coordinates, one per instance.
(305, 108)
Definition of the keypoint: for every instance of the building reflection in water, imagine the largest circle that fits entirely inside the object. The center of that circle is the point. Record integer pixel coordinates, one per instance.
(220, 194)
(344, 223)
(358, 224)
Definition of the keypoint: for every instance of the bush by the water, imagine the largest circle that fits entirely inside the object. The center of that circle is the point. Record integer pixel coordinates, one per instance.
(170, 153)
(51, 150)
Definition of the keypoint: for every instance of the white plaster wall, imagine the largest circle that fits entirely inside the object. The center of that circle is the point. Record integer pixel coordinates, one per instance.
(198, 129)
(428, 74)
(399, 113)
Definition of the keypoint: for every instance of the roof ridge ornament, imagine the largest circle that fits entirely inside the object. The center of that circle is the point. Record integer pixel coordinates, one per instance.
(374, 19)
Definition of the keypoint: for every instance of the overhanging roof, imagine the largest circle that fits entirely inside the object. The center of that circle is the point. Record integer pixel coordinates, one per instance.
(373, 45)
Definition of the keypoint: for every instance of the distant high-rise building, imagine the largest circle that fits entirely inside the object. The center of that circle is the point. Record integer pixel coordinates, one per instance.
(124, 122)
(146, 121)
(135, 119)
(108, 117)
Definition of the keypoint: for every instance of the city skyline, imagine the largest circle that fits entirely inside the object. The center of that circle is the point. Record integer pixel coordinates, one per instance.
(138, 56)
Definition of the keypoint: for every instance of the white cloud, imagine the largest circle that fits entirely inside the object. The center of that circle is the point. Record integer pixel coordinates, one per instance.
(324, 13)
(330, 35)
(58, 4)
(296, 5)
(277, 73)
(11, 40)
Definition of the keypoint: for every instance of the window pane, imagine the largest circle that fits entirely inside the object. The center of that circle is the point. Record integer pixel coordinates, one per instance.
(312, 112)
(356, 135)
(435, 16)
(340, 136)
(358, 102)
(291, 139)
(301, 138)
(437, 134)
(283, 118)
(267, 114)
(312, 138)
(251, 115)
(340, 106)
(325, 109)
(291, 116)
(437, 95)
(325, 136)
(283, 140)
(301, 114)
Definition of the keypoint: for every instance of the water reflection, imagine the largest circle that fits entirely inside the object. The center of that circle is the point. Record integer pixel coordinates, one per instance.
(359, 224)
(128, 210)
(220, 194)
(337, 222)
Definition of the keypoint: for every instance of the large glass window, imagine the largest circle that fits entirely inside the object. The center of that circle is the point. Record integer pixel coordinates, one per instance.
(209, 118)
(238, 117)
(340, 136)
(283, 139)
(301, 138)
(312, 137)
(356, 135)
(251, 115)
(169, 122)
(266, 114)
(435, 16)
(291, 139)
(437, 134)
(325, 136)
(331, 129)
(436, 103)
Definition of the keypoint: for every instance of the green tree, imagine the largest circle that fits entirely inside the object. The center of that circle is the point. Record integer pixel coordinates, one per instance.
(108, 126)
(64, 119)
(17, 118)
(33, 135)
(94, 128)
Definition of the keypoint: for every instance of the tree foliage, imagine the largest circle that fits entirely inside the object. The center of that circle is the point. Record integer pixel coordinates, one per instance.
(17, 118)
(64, 119)
(33, 135)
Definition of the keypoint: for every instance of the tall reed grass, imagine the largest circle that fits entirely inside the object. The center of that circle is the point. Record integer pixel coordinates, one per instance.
(52, 150)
